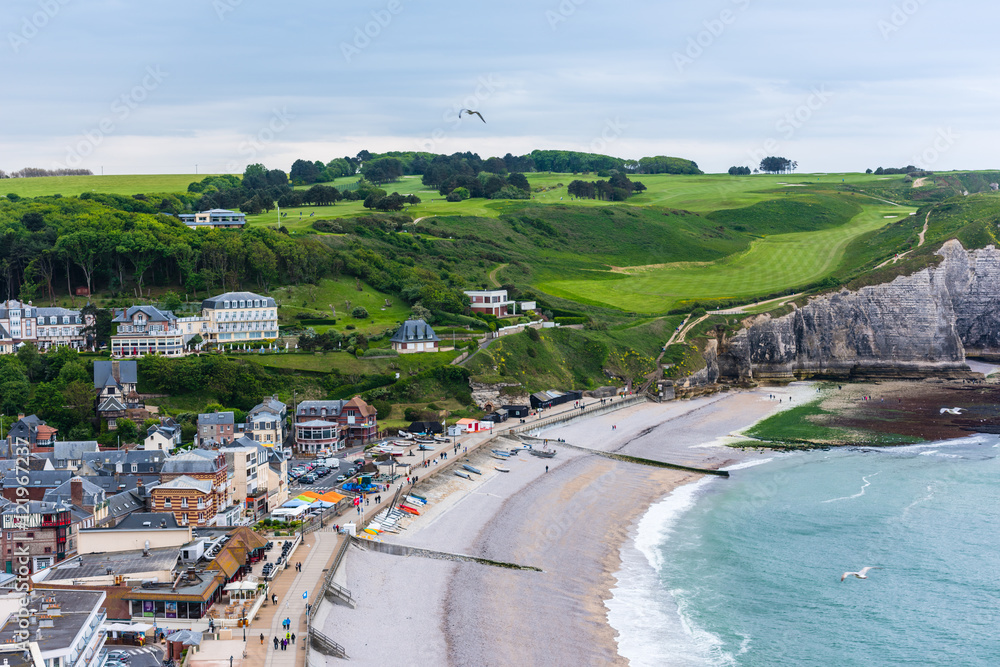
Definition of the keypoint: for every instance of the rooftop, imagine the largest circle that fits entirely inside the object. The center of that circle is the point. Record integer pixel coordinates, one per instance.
(119, 562)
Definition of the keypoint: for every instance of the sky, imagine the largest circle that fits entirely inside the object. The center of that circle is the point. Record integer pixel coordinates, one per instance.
(179, 86)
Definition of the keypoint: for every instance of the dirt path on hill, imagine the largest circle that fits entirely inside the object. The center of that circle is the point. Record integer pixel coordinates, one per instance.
(493, 275)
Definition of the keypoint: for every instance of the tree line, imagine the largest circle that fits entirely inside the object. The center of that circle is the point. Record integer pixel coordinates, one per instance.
(37, 172)
(616, 188)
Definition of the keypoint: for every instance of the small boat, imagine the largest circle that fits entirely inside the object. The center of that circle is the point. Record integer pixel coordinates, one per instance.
(514, 451)
(420, 498)
(500, 452)
(409, 510)
(425, 448)
(545, 454)
(371, 531)
(425, 441)
(415, 500)
(500, 458)
(501, 469)
(464, 475)
(405, 435)
(438, 438)
(471, 469)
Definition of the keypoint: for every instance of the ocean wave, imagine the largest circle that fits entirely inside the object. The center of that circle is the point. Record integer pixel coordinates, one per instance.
(659, 520)
(856, 495)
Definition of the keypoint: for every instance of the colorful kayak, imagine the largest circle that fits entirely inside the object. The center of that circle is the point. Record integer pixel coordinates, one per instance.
(409, 510)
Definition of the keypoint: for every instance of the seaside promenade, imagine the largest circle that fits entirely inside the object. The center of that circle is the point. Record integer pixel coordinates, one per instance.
(318, 549)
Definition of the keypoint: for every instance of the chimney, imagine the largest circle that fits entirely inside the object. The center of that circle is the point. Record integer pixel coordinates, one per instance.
(76, 491)
(20, 416)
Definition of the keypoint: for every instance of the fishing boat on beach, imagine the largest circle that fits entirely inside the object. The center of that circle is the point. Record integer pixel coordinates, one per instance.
(461, 474)
(499, 452)
(543, 453)
(409, 510)
(471, 469)
(501, 469)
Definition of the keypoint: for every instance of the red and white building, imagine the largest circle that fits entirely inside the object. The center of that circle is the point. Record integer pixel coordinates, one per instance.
(490, 302)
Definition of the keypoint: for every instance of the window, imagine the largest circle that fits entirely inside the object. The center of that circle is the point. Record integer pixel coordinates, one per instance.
(135, 467)
(166, 503)
(30, 535)
(48, 550)
(184, 502)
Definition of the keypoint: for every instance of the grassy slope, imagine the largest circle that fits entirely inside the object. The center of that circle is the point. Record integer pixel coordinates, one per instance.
(771, 264)
(75, 185)
(315, 301)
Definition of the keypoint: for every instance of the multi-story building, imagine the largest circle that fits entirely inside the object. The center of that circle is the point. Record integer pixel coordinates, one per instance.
(147, 330)
(266, 422)
(415, 336)
(45, 327)
(489, 302)
(248, 461)
(33, 432)
(66, 625)
(117, 386)
(239, 317)
(215, 218)
(216, 428)
(328, 425)
(193, 502)
(277, 479)
(39, 532)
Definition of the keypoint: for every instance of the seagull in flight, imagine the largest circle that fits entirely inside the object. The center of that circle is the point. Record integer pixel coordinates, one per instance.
(470, 112)
(863, 574)
(952, 411)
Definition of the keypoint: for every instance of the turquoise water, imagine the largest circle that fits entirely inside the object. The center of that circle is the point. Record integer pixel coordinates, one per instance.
(746, 571)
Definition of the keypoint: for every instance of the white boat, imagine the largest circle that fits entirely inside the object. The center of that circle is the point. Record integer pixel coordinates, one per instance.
(501, 469)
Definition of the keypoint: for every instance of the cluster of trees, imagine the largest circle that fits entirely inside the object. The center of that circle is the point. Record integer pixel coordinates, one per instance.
(257, 191)
(383, 170)
(393, 202)
(739, 171)
(36, 172)
(890, 171)
(616, 188)
(305, 172)
(777, 165)
(233, 382)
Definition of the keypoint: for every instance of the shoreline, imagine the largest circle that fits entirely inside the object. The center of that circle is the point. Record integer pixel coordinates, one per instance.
(572, 521)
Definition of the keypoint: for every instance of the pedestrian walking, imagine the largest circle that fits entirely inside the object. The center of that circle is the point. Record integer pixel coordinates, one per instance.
(546, 468)
(293, 637)
(275, 643)
(262, 639)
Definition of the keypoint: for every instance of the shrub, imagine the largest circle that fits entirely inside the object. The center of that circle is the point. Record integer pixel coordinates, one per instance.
(533, 334)
(572, 320)
(360, 313)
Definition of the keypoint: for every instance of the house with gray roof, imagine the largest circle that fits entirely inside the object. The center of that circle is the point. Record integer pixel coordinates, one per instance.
(68, 454)
(214, 218)
(415, 336)
(216, 428)
(148, 330)
(38, 482)
(237, 318)
(117, 385)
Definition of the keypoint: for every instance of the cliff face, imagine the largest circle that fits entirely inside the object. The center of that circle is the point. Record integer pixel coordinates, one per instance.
(915, 326)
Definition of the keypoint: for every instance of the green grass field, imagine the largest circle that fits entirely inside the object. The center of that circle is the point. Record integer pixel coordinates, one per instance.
(771, 264)
(348, 364)
(315, 301)
(122, 185)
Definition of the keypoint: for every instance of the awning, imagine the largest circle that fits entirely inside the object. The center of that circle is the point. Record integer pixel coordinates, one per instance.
(294, 503)
(126, 627)
(242, 586)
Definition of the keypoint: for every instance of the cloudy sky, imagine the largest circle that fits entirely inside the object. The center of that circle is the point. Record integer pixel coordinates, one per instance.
(159, 86)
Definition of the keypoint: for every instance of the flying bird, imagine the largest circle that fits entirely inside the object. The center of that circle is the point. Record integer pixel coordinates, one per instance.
(952, 411)
(863, 574)
(470, 112)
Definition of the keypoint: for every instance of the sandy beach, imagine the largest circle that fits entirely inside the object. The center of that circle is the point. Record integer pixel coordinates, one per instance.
(569, 521)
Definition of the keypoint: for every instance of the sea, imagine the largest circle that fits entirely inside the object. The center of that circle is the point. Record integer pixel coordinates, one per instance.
(747, 570)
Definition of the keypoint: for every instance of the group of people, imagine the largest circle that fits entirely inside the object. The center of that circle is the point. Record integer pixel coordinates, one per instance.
(282, 643)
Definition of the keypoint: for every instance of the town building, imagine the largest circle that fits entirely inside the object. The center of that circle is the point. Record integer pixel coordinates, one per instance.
(36, 534)
(193, 502)
(215, 218)
(45, 327)
(33, 432)
(277, 479)
(68, 454)
(66, 628)
(266, 422)
(239, 317)
(248, 461)
(216, 428)
(415, 336)
(489, 302)
(328, 425)
(82, 494)
(147, 330)
(158, 530)
(117, 384)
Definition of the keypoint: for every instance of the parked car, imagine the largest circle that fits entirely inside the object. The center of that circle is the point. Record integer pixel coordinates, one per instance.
(308, 478)
(358, 462)
(341, 478)
(120, 656)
